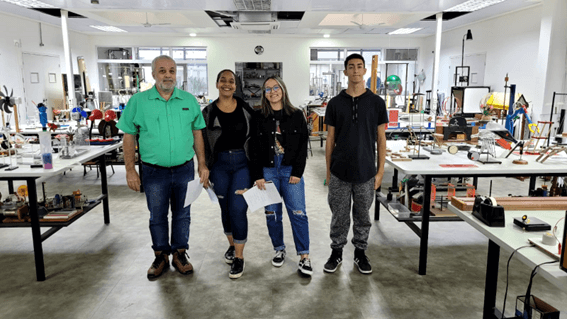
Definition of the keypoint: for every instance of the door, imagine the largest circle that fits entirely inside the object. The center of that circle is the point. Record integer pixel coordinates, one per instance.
(42, 80)
(476, 62)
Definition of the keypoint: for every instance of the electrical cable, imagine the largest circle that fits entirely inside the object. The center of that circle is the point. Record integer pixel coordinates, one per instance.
(507, 273)
(555, 229)
(527, 308)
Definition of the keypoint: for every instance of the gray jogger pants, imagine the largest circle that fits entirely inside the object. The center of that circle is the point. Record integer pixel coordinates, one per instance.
(340, 194)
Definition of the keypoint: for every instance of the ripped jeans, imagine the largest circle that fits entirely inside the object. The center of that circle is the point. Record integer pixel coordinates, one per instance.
(293, 196)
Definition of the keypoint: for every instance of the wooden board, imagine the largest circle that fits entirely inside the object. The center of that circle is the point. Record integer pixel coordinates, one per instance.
(516, 203)
(441, 213)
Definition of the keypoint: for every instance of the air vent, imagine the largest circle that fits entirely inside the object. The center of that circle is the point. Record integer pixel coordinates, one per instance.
(253, 5)
(260, 31)
(401, 55)
(249, 26)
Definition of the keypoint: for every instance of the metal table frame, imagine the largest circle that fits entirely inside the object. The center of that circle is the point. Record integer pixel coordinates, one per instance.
(425, 219)
(35, 224)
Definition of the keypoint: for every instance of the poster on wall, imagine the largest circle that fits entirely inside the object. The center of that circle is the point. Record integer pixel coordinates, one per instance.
(34, 77)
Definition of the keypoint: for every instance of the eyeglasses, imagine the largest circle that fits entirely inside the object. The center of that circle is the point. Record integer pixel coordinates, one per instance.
(275, 89)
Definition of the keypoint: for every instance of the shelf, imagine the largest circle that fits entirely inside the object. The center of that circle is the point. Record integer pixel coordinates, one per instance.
(86, 209)
(380, 197)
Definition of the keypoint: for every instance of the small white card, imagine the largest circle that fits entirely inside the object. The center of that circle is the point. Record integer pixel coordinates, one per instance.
(256, 198)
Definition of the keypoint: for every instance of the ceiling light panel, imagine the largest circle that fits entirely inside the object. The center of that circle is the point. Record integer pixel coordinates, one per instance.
(405, 31)
(253, 5)
(473, 5)
(370, 19)
(29, 3)
(107, 28)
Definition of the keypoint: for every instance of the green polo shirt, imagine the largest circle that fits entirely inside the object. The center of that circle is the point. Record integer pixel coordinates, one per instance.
(165, 127)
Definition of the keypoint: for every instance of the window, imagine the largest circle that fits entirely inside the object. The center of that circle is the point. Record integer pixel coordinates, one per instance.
(134, 72)
(150, 53)
(327, 66)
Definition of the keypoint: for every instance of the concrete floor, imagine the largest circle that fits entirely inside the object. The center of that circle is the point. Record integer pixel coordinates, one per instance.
(99, 271)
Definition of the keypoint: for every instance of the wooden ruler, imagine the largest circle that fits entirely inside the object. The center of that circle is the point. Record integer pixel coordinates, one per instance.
(516, 203)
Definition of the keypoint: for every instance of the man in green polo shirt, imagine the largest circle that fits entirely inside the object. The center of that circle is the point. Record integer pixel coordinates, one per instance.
(168, 122)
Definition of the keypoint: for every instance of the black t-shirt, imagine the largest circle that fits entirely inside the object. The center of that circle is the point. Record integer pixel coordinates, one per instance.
(356, 122)
(278, 115)
(234, 128)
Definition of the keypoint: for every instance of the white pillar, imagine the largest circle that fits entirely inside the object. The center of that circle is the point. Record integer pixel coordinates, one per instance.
(550, 65)
(433, 105)
(68, 59)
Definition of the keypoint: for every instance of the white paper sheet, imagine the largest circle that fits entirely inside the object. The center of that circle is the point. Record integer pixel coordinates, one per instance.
(194, 189)
(256, 198)
(212, 195)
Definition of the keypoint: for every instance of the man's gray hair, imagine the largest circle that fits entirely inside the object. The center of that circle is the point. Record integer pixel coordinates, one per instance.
(164, 57)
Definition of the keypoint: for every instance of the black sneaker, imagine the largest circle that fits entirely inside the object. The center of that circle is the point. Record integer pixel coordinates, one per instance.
(334, 261)
(279, 258)
(229, 255)
(305, 266)
(362, 262)
(237, 268)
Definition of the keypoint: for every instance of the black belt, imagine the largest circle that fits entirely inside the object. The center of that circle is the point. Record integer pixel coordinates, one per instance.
(164, 167)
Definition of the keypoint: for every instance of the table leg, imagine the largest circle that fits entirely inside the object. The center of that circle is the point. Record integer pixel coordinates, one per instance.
(532, 184)
(475, 182)
(394, 187)
(425, 225)
(491, 282)
(104, 186)
(36, 233)
(10, 187)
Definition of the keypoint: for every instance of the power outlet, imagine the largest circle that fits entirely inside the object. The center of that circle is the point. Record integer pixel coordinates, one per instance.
(17, 43)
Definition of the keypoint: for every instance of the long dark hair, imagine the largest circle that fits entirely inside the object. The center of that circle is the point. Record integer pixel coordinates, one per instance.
(265, 104)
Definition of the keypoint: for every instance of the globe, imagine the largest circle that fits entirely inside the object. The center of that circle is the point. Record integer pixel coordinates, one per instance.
(392, 82)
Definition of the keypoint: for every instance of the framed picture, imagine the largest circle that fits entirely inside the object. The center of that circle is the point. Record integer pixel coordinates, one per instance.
(34, 77)
(52, 78)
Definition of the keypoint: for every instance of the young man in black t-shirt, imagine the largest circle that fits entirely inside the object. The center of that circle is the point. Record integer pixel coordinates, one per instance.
(356, 121)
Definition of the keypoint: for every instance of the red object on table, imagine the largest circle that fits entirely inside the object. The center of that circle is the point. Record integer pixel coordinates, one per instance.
(457, 165)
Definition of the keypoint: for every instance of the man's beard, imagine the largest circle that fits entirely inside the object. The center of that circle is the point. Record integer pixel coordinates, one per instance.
(167, 86)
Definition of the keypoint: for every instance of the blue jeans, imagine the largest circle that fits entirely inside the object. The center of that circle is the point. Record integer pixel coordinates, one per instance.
(293, 196)
(230, 173)
(162, 187)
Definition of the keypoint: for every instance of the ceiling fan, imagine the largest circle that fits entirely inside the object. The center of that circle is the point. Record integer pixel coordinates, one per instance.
(148, 24)
(361, 24)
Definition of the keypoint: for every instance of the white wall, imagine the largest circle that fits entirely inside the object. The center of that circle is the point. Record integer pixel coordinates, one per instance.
(293, 52)
(511, 46)
(26, 32)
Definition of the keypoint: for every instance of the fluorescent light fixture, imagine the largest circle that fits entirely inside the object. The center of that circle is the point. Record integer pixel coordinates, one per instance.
(107, 28)
(473, 5)
(192, 34)
(326, 35)
(405, 31)
(29, 3)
